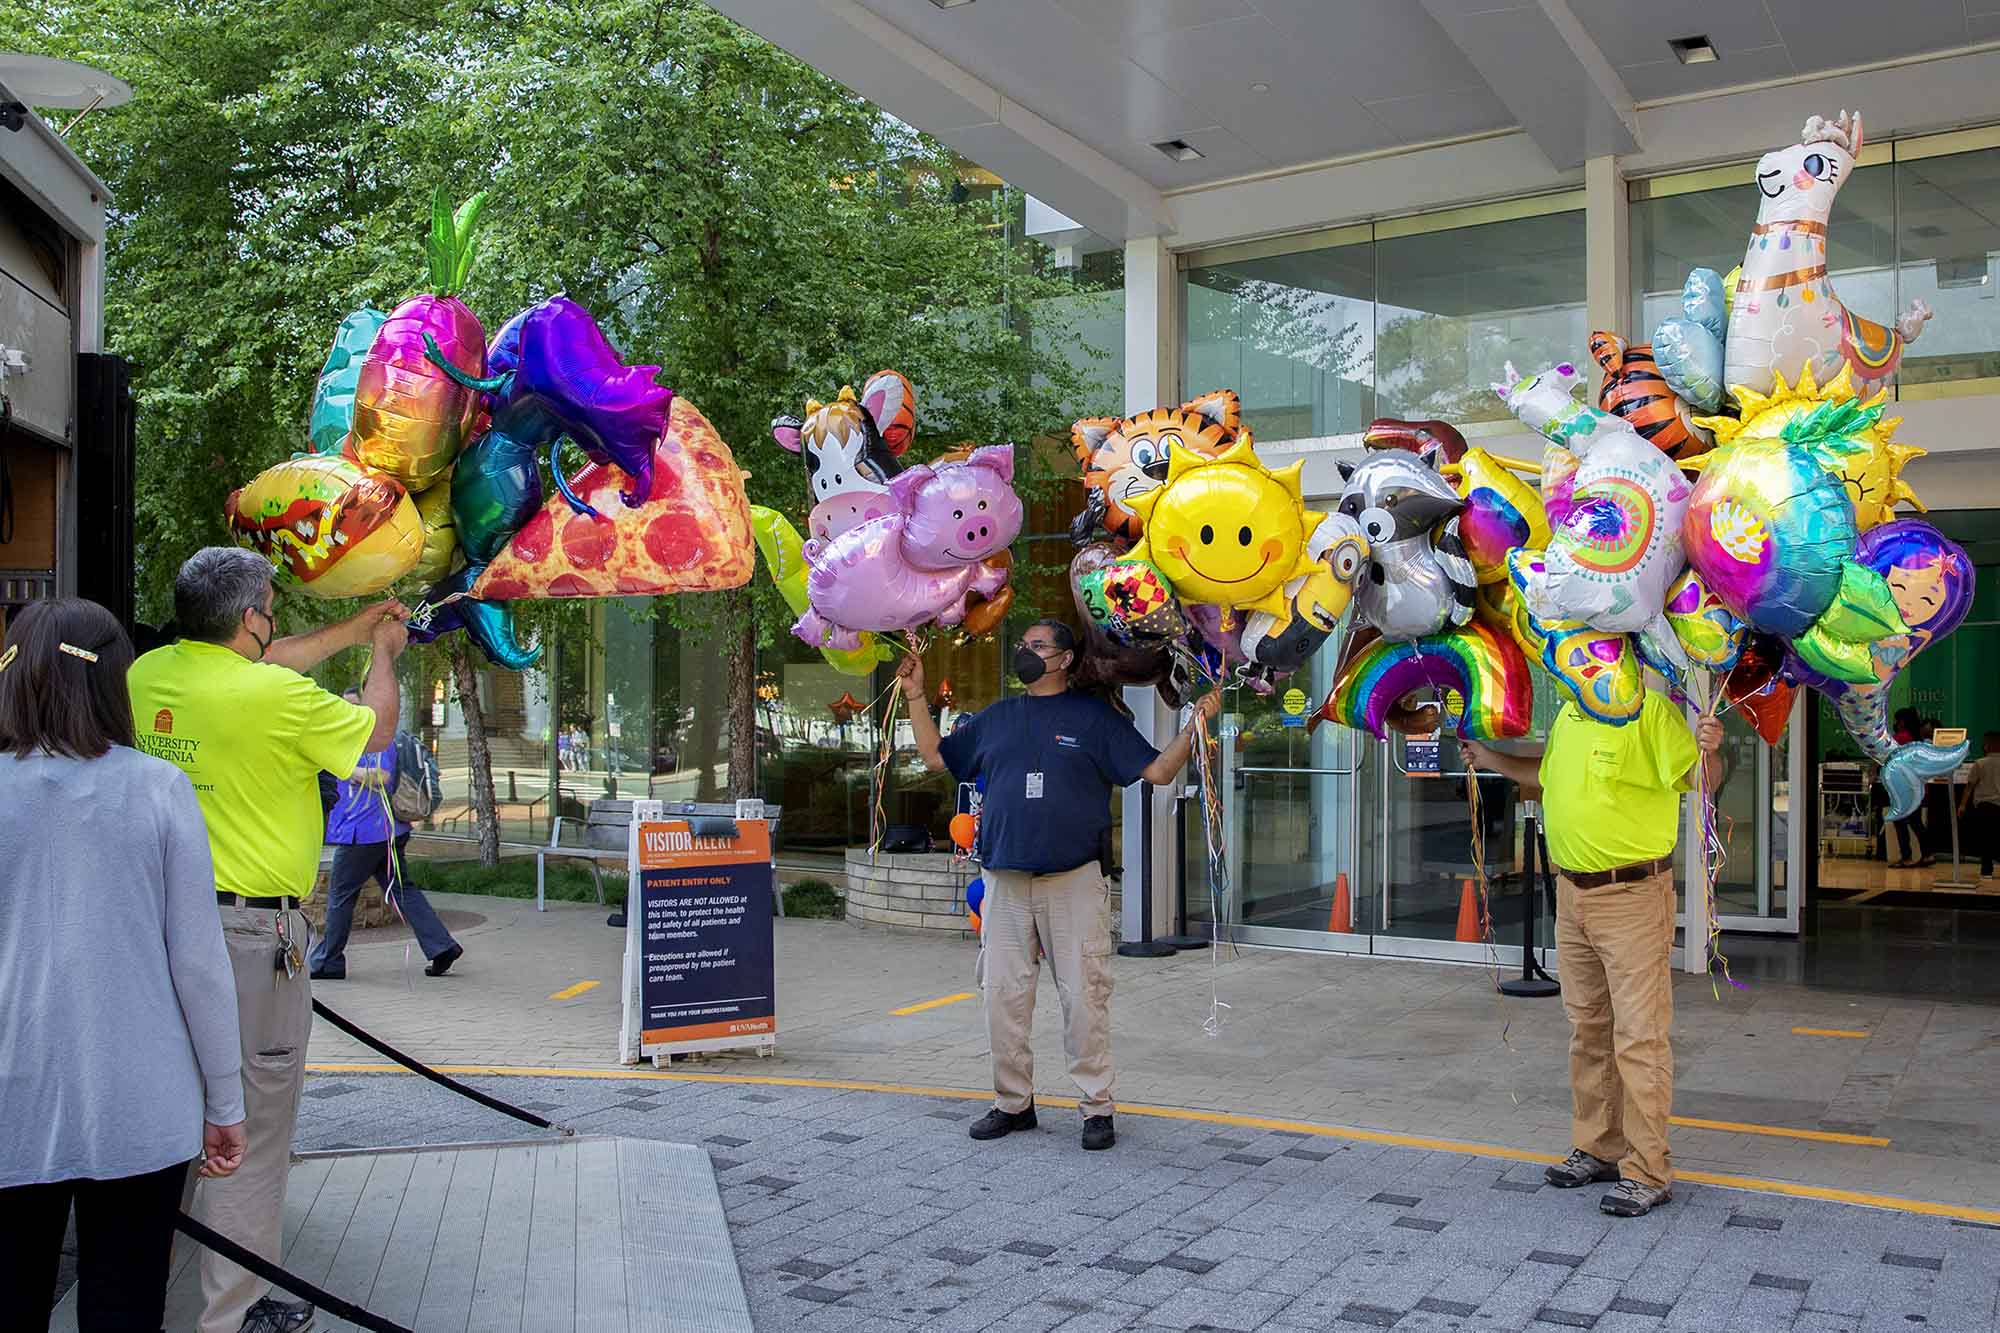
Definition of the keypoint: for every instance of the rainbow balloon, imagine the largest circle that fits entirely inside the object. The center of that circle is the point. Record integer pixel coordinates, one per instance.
(1501, 513)
(1483, 666)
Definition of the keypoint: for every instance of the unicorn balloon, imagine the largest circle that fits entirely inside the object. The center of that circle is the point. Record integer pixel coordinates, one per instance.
(1785, 316)
(1614, 505)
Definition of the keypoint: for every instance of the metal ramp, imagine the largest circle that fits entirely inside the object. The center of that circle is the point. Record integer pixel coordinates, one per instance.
(581, 1234)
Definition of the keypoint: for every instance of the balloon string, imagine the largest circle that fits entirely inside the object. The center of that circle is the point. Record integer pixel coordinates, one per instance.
(395, 861)
(1714, 850)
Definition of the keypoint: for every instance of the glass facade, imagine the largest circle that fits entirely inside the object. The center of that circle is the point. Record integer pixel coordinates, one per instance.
(1410, 319)
(1915, 221)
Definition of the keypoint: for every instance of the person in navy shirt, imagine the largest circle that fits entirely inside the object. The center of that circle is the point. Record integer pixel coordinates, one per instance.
(360, 828)
(1049, 760)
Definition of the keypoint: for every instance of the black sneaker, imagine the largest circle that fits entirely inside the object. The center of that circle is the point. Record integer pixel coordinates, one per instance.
(442, 963)
(1098, 1133)
(331, 974)
(274, 1316)
(1579, 1169)
(1633, 1198)
(997, 1124)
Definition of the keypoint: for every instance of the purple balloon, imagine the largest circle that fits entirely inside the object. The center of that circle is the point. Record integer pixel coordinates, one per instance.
(614, 412)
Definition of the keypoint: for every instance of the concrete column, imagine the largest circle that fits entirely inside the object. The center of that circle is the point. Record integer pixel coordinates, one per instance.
(1607, 249)
(1152, 377)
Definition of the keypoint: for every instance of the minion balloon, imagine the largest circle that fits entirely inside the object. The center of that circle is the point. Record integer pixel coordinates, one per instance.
(1228, 531)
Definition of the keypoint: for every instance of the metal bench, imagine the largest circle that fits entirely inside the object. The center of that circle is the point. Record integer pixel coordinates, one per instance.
(606, 835)
(604, 838)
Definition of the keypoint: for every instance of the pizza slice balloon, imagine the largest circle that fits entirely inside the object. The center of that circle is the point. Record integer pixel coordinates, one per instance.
(690, 534)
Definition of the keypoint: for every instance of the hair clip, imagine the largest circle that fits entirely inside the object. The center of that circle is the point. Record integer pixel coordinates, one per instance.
(7, 658)
(75, 651)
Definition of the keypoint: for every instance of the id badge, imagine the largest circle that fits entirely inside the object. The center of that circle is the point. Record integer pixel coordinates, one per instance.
(1034, 786)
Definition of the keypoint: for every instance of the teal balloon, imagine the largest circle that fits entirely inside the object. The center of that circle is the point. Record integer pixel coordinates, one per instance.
(332, 412)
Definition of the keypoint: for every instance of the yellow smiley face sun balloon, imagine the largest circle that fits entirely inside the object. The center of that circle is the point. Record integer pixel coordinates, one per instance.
(1227, 530)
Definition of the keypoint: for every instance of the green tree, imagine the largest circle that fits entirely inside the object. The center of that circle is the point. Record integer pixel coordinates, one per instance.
(727, 212)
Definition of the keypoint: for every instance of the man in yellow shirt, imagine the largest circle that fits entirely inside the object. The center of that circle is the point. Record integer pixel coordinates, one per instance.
(227, 704)
(1611, 803)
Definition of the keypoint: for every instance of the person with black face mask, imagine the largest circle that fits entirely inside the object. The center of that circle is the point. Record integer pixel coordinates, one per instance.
(1049, 759)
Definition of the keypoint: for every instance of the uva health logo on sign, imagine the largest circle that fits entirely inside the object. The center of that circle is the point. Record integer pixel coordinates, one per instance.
(706, 948)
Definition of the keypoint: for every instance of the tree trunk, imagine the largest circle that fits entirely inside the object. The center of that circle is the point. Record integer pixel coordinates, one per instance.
(743, 703)
(479, 758)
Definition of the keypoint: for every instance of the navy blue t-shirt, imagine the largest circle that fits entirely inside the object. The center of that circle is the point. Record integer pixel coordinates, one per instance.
(1049, 763)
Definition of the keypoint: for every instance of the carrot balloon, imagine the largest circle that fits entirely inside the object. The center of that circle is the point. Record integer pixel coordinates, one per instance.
(410, 417)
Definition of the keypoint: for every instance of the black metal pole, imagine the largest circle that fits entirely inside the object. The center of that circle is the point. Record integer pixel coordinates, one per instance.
(1145, 946)
(1534, 982)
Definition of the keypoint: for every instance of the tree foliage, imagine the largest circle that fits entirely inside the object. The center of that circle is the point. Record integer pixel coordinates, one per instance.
(728, 213)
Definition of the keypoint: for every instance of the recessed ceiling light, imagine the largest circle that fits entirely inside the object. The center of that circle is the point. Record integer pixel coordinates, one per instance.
(1180, 150)
(1695, 50)
(1260, 87)
(950, 4)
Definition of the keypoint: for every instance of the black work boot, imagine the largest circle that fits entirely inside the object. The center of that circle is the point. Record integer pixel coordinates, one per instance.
(998, 1124)
(1580, 1169)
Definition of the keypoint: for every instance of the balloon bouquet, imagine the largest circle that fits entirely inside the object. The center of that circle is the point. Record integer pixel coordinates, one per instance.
(897, 549)
(430, 445)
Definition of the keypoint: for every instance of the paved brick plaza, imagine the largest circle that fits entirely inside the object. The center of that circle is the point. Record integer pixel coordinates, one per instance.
(871, 1210)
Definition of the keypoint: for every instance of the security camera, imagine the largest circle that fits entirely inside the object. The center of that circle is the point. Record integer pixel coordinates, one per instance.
(13, 115)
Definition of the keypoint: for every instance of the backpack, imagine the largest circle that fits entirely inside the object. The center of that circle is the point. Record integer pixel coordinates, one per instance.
(417, 792)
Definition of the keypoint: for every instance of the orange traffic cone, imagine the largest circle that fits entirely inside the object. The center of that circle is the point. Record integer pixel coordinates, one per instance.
(1341, 918)
(1471, 921)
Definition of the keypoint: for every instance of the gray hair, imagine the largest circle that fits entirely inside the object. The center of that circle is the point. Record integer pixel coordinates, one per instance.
(213, 589)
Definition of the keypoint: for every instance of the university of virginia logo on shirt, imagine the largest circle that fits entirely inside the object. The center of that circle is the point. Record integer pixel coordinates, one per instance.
(161, 742)
(1067, 742)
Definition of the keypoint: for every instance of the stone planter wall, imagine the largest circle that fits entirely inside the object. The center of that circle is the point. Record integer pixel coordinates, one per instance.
(923, 890)
(369, 908)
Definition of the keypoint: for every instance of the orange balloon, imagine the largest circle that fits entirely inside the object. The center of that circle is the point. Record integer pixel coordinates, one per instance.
(962, 829)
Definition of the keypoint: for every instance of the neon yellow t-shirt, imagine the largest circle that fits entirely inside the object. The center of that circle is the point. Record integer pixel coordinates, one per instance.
(252, 737)
(1611, 796)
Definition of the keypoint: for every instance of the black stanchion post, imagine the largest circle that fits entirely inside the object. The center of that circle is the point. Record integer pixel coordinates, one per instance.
(1533, 981)
(1145, 946)
(1182, 939)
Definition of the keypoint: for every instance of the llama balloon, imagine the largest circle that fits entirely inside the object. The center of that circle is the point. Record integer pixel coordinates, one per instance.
(1785, 316)
(1614, 503)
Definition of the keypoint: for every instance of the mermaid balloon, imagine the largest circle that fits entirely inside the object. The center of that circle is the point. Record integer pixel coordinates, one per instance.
(1931, 579)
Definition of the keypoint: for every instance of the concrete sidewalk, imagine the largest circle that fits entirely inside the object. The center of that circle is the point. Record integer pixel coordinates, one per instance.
(864, 1211)
(1904, 1105)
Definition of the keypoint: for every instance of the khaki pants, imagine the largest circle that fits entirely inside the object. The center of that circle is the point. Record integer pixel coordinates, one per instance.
(275, 1013)
(1617, 986)
(1067, 917)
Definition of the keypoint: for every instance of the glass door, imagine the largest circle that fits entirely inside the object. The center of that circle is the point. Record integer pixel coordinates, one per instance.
(1754, 827)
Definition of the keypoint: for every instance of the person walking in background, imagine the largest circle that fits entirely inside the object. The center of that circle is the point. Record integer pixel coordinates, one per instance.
(1982, 799)
(119, 1056)
(361, 828)
(226, 703)
(1910, 828)
(1049, 760)
(1611, 800)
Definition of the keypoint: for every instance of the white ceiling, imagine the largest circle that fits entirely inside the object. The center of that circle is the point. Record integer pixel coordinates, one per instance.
(1063, 96)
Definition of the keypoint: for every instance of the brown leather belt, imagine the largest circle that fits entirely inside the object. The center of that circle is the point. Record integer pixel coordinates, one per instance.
(1597, 879)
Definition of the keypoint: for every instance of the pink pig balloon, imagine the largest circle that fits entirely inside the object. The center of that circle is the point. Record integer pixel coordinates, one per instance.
(919, 564)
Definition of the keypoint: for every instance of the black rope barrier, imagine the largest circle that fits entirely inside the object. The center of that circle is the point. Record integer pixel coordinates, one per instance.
(298, 1286)
(416, 1066)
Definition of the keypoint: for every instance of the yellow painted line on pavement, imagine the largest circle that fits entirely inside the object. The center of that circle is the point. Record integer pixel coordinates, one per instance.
(1782, 1132)
(1894, 1203)
(932, 1004)
(571, 992)
(1830, 1032)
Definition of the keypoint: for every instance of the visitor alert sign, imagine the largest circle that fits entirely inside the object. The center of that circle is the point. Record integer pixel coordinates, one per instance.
(699, 961)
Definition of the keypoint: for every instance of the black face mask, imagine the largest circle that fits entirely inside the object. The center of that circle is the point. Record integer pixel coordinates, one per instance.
(1029, 666)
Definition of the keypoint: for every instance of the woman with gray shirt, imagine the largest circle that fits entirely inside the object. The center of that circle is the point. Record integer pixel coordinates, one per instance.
(119, 1053)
